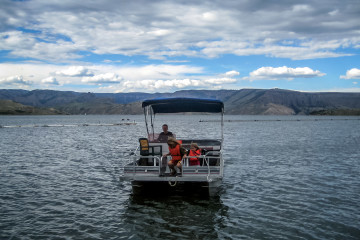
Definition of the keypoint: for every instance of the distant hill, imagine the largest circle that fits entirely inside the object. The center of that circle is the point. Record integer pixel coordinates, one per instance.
(244, 101)
(44, 98)
(8, 107)
(285, 102)
(101, 106)
(338, 112)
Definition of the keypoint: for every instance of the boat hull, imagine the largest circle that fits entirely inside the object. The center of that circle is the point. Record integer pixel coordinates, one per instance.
(176, 186)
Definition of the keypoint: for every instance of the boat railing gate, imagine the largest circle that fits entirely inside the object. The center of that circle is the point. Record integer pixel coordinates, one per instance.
(206, 161)
(137, 158)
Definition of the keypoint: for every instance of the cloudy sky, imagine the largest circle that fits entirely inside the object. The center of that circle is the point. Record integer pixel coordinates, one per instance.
(165, 46)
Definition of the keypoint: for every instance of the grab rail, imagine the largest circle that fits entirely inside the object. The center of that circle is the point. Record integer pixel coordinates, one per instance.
(206, 162)
(161, 163)
(134, 160)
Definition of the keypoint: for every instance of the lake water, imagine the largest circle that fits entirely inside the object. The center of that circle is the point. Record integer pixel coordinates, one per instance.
(283, 179)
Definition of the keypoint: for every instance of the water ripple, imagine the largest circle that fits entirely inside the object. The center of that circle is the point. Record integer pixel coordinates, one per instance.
(283, 180)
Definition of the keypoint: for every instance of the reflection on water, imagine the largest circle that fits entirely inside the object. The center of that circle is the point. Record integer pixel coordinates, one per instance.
(177, 216)
(283, 180)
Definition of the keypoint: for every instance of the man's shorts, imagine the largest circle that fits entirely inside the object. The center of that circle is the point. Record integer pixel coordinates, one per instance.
(174, 162)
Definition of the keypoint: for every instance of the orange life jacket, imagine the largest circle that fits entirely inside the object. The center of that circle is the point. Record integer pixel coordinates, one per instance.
(194, 161)
(175, 153)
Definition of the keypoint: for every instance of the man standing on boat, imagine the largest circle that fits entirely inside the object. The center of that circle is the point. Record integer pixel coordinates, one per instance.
(165, 134)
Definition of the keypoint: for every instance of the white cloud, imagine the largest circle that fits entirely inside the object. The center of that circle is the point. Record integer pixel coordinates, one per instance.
(182, 83)
(301, 8)
(353, 73)
(152, 71)
(57, 32)
(334, 12)
(177, 61)
(112, 61)
(14, 80)
(159, 32)
(210, 16)
(27, 45)
(50, 81)
(219, 81)
(232, 73)
(306, 50)
(163, 85)
(16, 39)
(75, 71)
(42, 75)
(271, 73)
(103, 79)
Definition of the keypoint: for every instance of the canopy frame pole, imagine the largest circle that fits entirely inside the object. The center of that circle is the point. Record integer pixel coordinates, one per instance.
(152, 118)
(149, 113)
(146, 121)
(222, 127)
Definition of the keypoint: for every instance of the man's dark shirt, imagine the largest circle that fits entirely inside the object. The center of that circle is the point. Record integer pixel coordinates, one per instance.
(164, 137)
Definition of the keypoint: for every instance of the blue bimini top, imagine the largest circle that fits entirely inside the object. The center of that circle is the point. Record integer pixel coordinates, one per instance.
(177, 105)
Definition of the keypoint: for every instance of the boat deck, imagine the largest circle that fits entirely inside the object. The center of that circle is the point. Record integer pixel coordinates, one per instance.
(153, 167)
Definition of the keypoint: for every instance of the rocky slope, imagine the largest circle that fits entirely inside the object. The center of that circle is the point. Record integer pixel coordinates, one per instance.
(244, 101)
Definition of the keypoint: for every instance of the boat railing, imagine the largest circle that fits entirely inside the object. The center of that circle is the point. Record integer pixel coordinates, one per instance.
(210, 159)
(139, 164)
(143, 161)
(135, 161)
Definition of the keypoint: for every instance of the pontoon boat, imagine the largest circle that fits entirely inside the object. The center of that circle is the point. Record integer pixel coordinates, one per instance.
(147, 169)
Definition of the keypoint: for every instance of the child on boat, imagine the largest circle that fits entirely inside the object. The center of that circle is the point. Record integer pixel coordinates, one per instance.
(176, 151)
(194, 154)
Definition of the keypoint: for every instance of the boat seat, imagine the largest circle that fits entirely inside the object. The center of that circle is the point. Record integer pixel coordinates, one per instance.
(147, 150)
(144, 146)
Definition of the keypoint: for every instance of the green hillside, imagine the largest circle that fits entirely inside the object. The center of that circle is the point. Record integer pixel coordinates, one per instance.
(244, 101)
(8, 107)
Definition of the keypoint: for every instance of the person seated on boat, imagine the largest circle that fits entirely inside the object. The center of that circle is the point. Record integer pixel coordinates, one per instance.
(165, 134)
(176, 151)
(194, 154)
